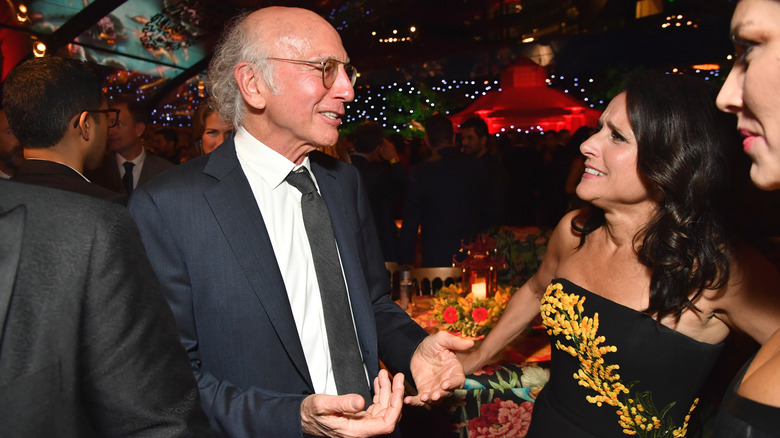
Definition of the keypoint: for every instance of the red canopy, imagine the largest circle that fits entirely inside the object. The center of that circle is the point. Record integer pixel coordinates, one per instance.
(525, 100)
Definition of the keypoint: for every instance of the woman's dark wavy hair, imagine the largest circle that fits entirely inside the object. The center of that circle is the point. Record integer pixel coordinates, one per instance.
(682, 146)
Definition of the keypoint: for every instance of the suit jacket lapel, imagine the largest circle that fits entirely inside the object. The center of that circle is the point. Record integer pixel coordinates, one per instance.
(143, 178)
(11, 233)
(233, 204)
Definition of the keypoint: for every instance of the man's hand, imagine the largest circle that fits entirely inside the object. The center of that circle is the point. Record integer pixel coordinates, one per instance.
(342, 415)
(435, 369)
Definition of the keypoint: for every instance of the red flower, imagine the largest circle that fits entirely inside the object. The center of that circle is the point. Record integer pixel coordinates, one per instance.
(450, 315)
(479, 314)
(502, 418)
(487, 370)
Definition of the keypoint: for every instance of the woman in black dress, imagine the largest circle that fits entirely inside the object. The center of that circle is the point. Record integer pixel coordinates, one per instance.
(751, 406)
(639, 290)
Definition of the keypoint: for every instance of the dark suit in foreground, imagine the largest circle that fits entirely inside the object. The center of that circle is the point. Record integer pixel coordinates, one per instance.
(59, 176)
(89, 346)
(210, 248)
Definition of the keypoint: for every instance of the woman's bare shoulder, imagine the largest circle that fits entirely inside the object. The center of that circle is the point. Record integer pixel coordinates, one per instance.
(565, 237)
(750, 301)
(762, 380)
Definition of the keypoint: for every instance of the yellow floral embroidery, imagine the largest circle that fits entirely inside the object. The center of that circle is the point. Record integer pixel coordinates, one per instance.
(562, 315)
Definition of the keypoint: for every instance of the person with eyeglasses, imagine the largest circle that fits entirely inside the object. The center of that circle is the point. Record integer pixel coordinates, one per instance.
(11, 154)
(268, 253)
(89, 345)
(128, 164)
(57, 111)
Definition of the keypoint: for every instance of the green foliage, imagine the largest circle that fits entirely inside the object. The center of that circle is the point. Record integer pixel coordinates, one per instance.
(406, 107)
(523, 256)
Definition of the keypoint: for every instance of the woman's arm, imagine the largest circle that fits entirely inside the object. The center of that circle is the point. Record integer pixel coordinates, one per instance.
(524, 304)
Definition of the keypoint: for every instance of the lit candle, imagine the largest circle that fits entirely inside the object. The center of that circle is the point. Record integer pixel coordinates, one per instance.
(479, 290)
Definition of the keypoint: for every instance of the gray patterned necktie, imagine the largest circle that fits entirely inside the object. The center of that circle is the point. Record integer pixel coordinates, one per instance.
(347, 361)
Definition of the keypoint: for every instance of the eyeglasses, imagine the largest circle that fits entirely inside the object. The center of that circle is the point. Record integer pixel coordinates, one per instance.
(112, 116)
(330, 69)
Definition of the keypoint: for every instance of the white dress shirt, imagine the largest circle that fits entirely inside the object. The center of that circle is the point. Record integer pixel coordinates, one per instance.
(280, 205)
(139, 163)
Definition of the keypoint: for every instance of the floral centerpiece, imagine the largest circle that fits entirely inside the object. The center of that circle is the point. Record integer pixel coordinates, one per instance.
(461, 313)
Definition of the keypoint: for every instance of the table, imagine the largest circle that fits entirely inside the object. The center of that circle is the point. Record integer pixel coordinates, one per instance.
(497, 400)
(533, 345)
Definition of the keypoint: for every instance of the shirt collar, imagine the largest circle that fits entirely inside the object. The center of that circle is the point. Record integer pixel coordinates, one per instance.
(270, 165)
(120, 160)
(62, 164)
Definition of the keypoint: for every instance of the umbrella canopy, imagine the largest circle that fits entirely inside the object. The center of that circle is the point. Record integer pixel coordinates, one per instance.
(524, 101)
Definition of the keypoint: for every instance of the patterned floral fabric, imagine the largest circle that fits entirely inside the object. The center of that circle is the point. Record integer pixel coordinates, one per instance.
(496, 402)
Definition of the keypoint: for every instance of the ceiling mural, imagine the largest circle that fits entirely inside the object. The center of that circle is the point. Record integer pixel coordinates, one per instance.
(159, 38)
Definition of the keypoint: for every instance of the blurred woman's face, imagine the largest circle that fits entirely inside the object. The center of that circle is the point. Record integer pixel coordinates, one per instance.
(752, 89)
(217, 131)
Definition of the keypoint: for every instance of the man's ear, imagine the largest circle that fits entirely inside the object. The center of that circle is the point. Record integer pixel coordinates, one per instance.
(251, 84)
(84, 125)
(140, 127)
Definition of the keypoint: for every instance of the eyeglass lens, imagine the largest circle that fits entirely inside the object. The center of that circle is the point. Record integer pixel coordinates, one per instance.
(331, 71)
(112, 117)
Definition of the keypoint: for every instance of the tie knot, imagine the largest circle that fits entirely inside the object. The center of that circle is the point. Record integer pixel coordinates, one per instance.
(301, 180)
(128, 166)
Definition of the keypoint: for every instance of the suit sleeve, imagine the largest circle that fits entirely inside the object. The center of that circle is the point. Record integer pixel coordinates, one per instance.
(397, 334)
(232, 411)
(136, 381)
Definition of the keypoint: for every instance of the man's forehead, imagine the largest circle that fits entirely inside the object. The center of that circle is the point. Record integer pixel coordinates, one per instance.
(469, 131)
(298, 32)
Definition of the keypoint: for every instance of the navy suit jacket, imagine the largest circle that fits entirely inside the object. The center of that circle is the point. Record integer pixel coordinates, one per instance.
(207, 241)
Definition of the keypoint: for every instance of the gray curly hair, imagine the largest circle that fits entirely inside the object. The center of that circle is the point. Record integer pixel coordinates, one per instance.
(236, 45)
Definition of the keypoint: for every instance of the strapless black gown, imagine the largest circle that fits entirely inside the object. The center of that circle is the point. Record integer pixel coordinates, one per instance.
(628, 373)
(739, 417)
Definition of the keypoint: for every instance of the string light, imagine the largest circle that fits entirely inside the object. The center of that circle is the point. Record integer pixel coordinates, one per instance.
(379, 102)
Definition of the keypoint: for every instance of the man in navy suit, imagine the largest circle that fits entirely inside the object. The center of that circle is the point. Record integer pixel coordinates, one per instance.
(225, 234)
